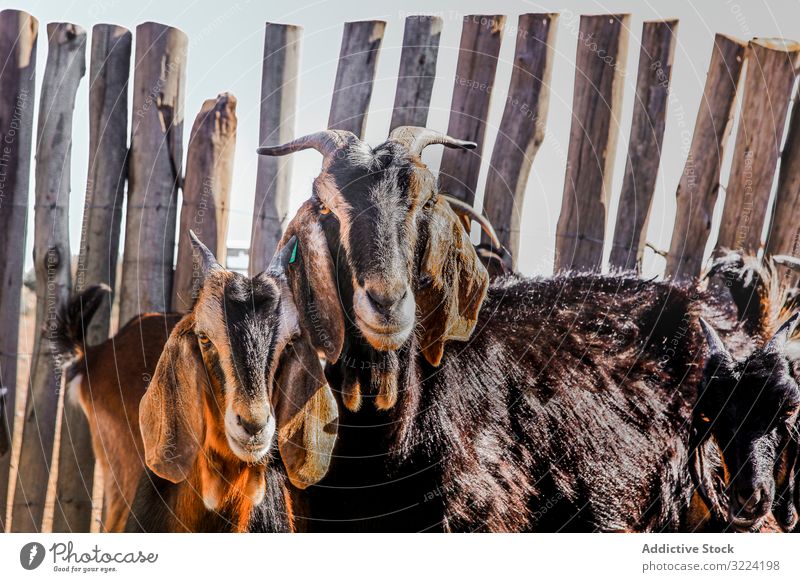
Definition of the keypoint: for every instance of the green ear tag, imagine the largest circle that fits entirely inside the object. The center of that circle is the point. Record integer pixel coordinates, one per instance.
(294, 253)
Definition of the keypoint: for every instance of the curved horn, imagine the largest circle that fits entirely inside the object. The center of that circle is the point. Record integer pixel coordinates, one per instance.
(464, 209)
(283, 257)
(786, 261)
(712, 337)
(416, 139)
(325, 142)
(778, 341)
(210, 262)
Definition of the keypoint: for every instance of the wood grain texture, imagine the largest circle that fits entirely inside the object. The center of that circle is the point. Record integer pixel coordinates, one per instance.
(358, 60)
(154, 171)
(206, 193)
(596, 105)
(66, 66)
(699, 184)
(18, 36)
(97, 258)
(644, 146)
(417, 71)
(481, 36)
(522, 128)
(279, 75)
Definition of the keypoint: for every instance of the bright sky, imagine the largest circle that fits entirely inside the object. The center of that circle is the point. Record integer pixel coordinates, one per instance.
(225, 53)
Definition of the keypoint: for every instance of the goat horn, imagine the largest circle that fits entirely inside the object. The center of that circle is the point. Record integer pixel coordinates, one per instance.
(416, 139)
(325, 142)
(464, 209)
(713, 339)
(285, 256)
(210, 262)
(786, 261)
(778, 341)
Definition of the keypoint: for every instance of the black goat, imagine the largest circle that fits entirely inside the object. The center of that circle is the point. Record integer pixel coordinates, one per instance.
(568, 408)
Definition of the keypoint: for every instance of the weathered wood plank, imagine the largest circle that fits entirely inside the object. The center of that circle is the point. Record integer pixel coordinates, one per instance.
(206, 193)
(154, 171)
(596, 106)
(644, 146)
(771, 71)
(699, 184)
(481, 36)
(522, 128)
(358, 60)
(278, 108)
(784, 234)
(417, 71)
(66, 66)
(97, 259)
(18, 35)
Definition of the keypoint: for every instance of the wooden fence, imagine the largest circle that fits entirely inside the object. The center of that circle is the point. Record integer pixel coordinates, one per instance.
(146, 176)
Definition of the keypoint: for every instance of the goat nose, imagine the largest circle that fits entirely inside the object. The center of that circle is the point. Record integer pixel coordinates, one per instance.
(749, 498)
(382, 301)
(251, 428)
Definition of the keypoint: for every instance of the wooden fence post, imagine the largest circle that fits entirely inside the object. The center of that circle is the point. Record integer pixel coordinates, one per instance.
(66, 66)
(481, 36)
(596, 105)
(522, 128)
(417, 71)
(278, 107)
(206, 193)
(18, 35)
(352, 91)
(771, 72)
(784, 234)
(97, 259)
(154, 172)
(644, 146)
(699, 184)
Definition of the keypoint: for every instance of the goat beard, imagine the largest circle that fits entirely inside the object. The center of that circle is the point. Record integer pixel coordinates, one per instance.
(382, 369)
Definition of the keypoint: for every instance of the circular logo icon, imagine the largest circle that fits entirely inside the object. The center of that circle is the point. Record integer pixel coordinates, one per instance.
(31, 555)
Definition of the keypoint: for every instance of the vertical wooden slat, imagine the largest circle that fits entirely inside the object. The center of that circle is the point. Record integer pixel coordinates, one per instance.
(206, 193)
(699, 184)
(522, 128)
(481, 36)
(771, 71)
(97, 259)
(352, 91)
(154, 169)
(417, 71)
(596, 105)
(65, 68)
(278, 108)
(644, 146)
(784, 234)
(18, 35)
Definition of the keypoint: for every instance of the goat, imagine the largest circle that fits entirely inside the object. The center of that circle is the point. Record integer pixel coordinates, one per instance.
(107, 381)
(236, 374)
(561, 404)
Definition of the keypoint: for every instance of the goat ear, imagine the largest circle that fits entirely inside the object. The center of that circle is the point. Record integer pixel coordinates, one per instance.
(452, 283)
(311, 276)
(708, 478)
(171, 410)
(306, 415)
(784, 507)
(5, 438)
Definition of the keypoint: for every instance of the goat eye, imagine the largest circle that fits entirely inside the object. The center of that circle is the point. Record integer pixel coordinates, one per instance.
(204, 341)
(429, 204)
(323, 208)
(705, 418)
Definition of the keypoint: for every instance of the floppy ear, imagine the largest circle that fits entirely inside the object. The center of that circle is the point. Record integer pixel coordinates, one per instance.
(784, 507)
(452, 283)
(708, 476)
(306, 415)
(171, 411)
(311, 275)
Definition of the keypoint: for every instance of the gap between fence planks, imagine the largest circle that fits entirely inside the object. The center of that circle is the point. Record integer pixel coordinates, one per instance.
(279, 76)
(18, 36)
(355, 75)
(644, 146)
(596, 105)
(154, 171)
(771, 72)
(417, 71)
(65, 68)
(97, 259)
(699, 184)
(481, 36)
(206, 194)
(522, 128)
